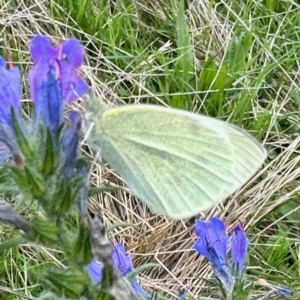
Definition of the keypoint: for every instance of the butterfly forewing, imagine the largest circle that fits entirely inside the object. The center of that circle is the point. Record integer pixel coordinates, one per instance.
(179, 163)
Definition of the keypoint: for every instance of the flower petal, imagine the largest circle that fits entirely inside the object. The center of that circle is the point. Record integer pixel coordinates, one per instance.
(41, 49)
(212, 234)
(37, 76)
(47, 96)
(65, 59)
(72, 51)
(73, 86)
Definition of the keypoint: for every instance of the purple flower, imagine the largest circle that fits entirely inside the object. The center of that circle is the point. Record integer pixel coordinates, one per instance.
(66, 59)
(213, 244)
(53, 79)
(212, 235)
(123, 265)
(239, 244)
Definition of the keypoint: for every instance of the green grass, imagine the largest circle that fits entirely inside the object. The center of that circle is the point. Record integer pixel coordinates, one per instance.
(234, 60)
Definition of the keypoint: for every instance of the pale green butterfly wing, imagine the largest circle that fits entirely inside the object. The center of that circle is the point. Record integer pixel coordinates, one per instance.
(179, 163)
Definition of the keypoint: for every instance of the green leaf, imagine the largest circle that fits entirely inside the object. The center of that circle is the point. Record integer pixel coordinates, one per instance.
(214, 80)
(36, 183)
(19, 177)
(21, 139)
(222, 79)
(140, 269)
(288, 207)
(49, 164)
(117, 225)
(67, 283)
(208, 74)
(100, 190)
(183, 71)
(108, 277)
(80, 251)
(43, 231)
(100, 294)
(237, 53)
(184, 42)
(14, 242)
(65, 195)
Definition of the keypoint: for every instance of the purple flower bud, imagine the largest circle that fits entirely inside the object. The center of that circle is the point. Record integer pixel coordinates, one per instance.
(69, 144)
(239, 249)
(9, 140)
(182, 294)
(278, 290)
(4, 154)
(282, 290)
(10, 91)
(10, 95)
(95, 269)
(213, 243)
(137, 290)
(83, 194)
(122, 260)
